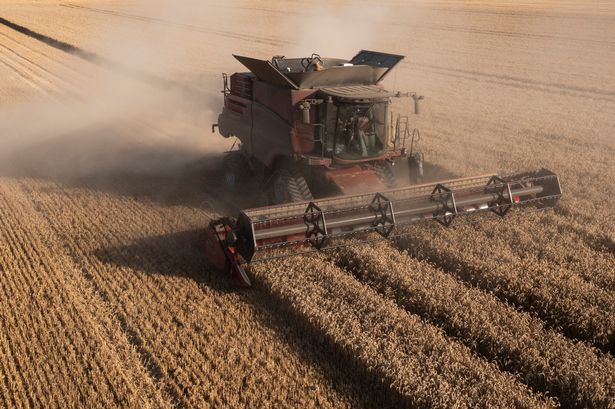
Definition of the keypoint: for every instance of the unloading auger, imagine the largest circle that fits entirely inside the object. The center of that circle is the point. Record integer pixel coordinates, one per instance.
(315, 225)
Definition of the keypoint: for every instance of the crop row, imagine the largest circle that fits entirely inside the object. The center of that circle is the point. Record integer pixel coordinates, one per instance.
(59, 345)
(419, 363)
(203, 342)
(553, 238)
(517, 341)
(484, 258)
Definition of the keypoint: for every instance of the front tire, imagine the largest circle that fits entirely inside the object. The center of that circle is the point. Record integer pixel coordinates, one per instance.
(288, 187)
(384, 170)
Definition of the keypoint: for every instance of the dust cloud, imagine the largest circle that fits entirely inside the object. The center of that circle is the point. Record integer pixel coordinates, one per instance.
(337, 30)
(152, 109)
(134, 116)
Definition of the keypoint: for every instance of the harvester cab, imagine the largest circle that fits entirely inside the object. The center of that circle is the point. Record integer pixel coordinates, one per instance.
(322, 127)
(314, 126)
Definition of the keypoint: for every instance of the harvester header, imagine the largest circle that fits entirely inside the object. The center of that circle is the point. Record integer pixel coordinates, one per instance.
(315, 225)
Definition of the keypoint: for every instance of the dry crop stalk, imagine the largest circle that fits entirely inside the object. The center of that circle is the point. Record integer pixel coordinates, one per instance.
(190, 365)
(557, 243)
(112, 289)
(560, 298)
(76, 322)
(546, 360)
(420, 364)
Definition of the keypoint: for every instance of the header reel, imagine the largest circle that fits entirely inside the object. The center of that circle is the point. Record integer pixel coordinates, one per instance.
(309, 226)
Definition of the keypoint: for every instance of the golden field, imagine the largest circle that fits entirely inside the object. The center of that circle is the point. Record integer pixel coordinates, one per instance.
(109, 174)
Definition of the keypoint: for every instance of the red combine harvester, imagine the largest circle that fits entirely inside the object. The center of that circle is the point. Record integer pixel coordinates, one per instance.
(323, 127)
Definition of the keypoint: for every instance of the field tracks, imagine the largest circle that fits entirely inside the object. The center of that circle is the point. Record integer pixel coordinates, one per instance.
(178, 319)
(14, 54)
(42, 295)
(150, 362)
(487, 375)
(95, 274)
(523, 35)
(227, 34)
(94, 271)
(489, 347)
(23, 45)
(101, 60)
(149, 256)
(26, 296)
(519, 82)
(25, 76)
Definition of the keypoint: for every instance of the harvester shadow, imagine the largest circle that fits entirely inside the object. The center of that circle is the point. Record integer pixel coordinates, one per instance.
(180, 254)
(198, 183)
(175, 254)
(117, 159)
(99, 59)
(435, 173)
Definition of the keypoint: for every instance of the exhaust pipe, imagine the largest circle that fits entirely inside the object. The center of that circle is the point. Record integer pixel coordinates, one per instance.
(305, 111)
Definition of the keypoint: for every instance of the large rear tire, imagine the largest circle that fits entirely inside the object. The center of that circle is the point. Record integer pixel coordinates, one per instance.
(289, 186)
(235, 170)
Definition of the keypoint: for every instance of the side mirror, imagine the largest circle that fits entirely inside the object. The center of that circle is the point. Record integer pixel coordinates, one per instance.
(417, 99)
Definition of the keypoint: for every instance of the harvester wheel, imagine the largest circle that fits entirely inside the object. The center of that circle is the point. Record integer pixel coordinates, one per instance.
(235, 170)
(302, 185)
(384, 170)
(289, 186)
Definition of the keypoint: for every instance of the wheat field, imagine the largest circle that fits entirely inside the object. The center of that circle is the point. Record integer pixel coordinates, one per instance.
(109, 174)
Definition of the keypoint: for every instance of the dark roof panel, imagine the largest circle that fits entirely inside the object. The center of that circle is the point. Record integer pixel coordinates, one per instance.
(266, 72)
(377, 59)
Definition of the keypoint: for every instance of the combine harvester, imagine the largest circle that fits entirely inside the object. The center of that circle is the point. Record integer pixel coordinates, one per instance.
(323, 127)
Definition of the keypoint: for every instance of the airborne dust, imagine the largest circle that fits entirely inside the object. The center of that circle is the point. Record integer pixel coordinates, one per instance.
(152, 111)
(133, 116)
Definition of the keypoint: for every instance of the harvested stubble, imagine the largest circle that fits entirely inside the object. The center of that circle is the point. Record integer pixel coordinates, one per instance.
(517, 341)
(560, 297)
(203, 347)
(59, 345)
(416, 360)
